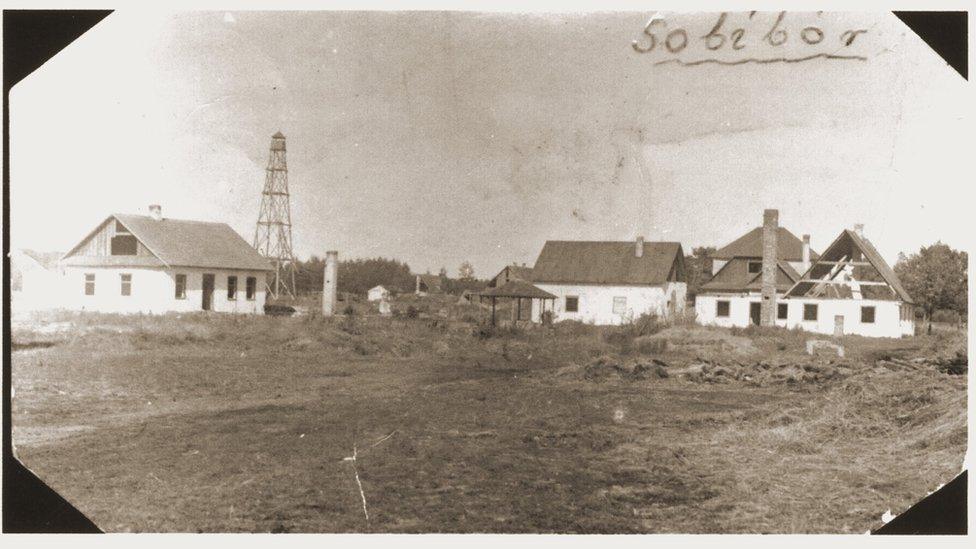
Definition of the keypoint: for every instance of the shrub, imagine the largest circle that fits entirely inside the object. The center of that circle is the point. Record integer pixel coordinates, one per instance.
(349, 310)
(412, 312)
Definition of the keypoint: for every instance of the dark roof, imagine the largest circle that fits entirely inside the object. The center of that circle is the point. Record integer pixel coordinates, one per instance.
(183, 243)
(520, 272)
(843, 246)
(517, 288)
(515, 272)
(734, 276)
(788, 246)
(431, 281)
(563, 261)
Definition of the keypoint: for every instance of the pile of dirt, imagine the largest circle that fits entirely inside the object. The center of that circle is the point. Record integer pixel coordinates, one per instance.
(606, 367)
(764, 372)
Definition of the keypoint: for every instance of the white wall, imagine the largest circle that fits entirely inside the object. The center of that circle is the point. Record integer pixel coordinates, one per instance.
(376, 294)
(596, 302)
(154, 290)
(887, 315)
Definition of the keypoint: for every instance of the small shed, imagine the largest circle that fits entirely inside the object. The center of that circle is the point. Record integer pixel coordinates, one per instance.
(517, 291)
(377, 293)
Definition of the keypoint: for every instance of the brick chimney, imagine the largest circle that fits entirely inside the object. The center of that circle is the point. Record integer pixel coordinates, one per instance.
(639, 247)
(806, 253)
(770, 232)
(156, 211)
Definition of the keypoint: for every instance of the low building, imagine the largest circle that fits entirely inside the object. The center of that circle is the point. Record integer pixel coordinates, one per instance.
(510, 273)
(428, 284)
(610, 282)
(733, 296)
(377, 293)
(149, 264)
(34, 280)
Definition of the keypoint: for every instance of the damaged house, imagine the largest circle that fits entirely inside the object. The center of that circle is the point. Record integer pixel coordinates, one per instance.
(849, 289)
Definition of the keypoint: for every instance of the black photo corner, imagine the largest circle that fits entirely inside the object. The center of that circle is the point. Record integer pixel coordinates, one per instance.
(31, 37)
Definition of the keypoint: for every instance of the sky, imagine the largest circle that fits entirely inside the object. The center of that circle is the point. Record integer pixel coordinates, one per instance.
(437, 138)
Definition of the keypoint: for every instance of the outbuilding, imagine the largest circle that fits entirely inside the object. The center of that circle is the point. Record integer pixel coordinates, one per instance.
(377, 293)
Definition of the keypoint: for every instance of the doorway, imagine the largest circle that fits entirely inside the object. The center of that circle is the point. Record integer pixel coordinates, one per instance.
(838, 325)
(755, 312)
(208, 290)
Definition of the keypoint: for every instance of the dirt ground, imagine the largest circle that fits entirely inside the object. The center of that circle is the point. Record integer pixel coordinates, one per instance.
(225, 424)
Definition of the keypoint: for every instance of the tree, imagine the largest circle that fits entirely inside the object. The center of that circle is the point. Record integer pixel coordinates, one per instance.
(466, 271)
(443, 272)
(936, 278)
(356, 276)
(698, 267)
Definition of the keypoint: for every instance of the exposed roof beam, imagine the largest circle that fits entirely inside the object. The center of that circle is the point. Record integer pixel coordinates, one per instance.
(845, 282)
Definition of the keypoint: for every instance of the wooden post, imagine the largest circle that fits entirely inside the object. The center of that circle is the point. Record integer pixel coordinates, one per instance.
(492, 310)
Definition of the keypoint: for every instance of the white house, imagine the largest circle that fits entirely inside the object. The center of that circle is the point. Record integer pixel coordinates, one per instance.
(377, 293)
(732, 296)
(34, 280)
(850, 289)
(610, 282)
(148, 264)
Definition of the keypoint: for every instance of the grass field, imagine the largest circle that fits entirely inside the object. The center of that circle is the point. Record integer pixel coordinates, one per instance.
(223, 423)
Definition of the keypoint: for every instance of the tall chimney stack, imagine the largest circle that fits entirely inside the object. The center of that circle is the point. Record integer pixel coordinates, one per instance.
(156, 211)
(767, 307)
(329, 283)
(639, 247)
(806, 253)
(859, 229)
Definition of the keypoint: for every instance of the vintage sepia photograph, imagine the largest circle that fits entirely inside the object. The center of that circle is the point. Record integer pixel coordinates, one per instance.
(491, 272)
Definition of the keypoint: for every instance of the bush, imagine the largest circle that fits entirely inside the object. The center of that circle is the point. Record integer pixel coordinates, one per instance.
(349, 310)
(412, 312)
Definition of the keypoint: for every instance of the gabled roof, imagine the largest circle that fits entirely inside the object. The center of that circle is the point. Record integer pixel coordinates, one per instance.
(788, 246)
(515, 272)
(734, 276)
(520, 272)
(518, 288)
(433, 282)
(181, 243)
(582, 262)
(846, 245)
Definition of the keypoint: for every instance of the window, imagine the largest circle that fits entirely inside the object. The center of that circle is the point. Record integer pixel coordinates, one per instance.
(181, 286)
(231, 288)
(781, 310)
(251, 287)
(90, 284)
(867, 315)
(572, 304)
(126, 279)
(755, 267)
(619, 305)
(722, 309)
(809, 311)
(124, 244)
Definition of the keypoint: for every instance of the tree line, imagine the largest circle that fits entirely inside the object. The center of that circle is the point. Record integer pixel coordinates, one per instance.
(357, 276)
